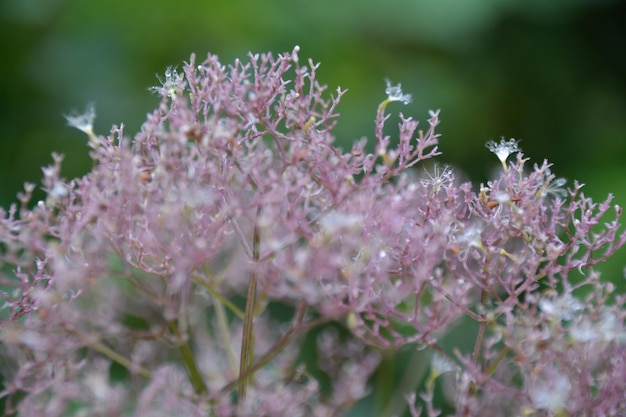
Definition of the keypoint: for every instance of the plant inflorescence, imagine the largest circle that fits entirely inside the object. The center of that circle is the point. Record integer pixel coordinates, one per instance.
(149, 286)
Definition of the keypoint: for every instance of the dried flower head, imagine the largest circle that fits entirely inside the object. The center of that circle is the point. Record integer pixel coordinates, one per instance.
(84, 121)
(503, 149)
(394, 93)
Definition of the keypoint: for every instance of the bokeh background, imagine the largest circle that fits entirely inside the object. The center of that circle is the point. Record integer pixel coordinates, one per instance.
(549, 72)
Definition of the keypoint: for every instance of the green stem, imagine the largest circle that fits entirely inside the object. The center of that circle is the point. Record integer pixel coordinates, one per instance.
(222, 321)
(220, 298)
(115, 357)
(492, 368)
(190, 363)
(269, 355)
(481, 330)
(247, 344)
(224, 331)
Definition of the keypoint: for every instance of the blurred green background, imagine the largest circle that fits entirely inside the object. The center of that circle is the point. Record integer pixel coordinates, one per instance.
(549, 72)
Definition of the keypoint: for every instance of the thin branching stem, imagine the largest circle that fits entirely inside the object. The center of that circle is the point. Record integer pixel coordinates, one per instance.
(115, 356)
(273, 351)
(247, 344)
(189, 361)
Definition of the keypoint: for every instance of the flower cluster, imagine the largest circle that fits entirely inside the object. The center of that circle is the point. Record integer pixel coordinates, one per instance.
(182, 275)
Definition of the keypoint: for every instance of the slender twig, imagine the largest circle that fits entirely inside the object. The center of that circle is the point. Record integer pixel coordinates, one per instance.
(114, 356)
(190, 363)
(492, 367)
(224, 332)
(247, 344)
(220, 298)
(481, 333)
(271, 353)
(220, 311)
